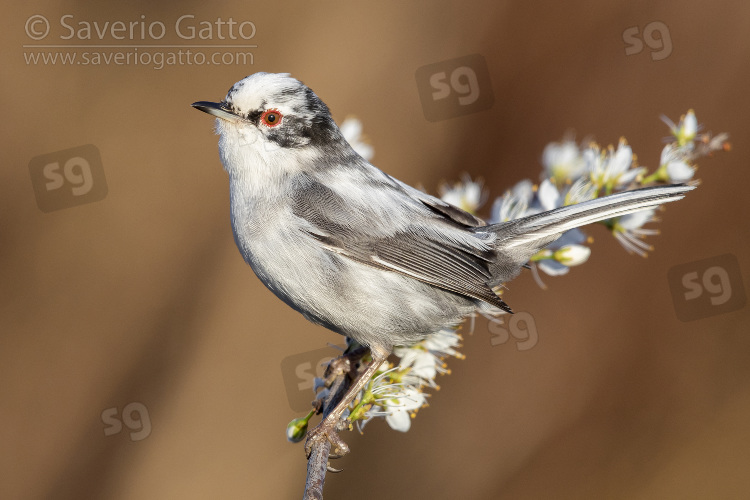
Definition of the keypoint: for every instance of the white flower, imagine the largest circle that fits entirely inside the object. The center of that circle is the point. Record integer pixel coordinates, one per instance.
(563, 160)
(718, 143)
(425, 359)
(551, 266)
(572, 255)
(686, 130)
(395, 402)
(612, 168)
(422, 363)
(524, 190)
(548, 196)
(547, 259)
(689, 125)
(581, 190)
(514, 204)
(400, 406)
(466, 194)
(629, 232)
(351, 129)
(672, 166)
(396, 392)
(443, 342)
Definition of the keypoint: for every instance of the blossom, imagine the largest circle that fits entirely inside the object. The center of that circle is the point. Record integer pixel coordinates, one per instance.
(351, 129)
(563, 161)
(397, 403)
(611, 168)
(572, 255)
(443, 342)
(425, 359)
(628, 230)
(514, 203)
(422, 363)
(467, 195)
(560, 256)
(673, 167)
(396, 392)
(400, 406)
(548, 196)
(394, 401)
(581, 190)
(686, 130)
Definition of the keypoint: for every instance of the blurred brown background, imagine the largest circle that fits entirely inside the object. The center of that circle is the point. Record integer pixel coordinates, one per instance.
(142, 297)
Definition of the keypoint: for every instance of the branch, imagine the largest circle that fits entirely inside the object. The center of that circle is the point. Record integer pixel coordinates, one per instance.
(338, 377)
(317, 465)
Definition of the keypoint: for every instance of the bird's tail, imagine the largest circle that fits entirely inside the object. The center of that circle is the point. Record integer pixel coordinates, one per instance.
(521, 238)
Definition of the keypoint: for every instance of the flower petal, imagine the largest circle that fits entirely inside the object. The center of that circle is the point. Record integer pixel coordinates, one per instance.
(553, 268)
(679, 171)
(573, 255)
(399, 420)
(636, 219)
(549, 196)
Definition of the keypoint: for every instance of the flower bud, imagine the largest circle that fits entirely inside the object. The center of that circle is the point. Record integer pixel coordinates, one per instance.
(297, 428)
(572, 255)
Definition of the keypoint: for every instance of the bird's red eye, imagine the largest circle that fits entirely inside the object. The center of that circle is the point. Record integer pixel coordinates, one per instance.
(272, 117)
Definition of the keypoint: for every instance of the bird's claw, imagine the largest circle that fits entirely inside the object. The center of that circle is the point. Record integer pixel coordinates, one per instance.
(331, 469)
(326, 431)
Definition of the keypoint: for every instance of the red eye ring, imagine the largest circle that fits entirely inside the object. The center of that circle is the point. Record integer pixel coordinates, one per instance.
(271, 117)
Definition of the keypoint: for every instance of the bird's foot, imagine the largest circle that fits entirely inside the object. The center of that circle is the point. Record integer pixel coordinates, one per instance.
(327, 430)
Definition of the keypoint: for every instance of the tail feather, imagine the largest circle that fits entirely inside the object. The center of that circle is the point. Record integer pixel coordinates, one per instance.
(522, 238)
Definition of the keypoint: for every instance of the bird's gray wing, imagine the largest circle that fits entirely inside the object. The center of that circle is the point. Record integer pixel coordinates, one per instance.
(429, 248)
(452, 212)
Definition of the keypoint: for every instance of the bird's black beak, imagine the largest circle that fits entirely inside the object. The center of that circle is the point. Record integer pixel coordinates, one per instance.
(218, 109)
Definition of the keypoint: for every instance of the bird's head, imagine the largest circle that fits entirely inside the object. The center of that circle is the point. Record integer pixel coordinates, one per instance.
(265, 115)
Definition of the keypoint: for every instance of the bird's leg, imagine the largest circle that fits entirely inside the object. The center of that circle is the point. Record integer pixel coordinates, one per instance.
(328, 428)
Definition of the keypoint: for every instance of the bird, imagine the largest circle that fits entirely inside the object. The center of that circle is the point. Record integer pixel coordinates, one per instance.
(356, 250)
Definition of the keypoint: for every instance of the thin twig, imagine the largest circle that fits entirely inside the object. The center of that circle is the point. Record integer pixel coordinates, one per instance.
(317, 463)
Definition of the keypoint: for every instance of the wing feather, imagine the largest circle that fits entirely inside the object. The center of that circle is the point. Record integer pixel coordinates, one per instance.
(444, 256)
